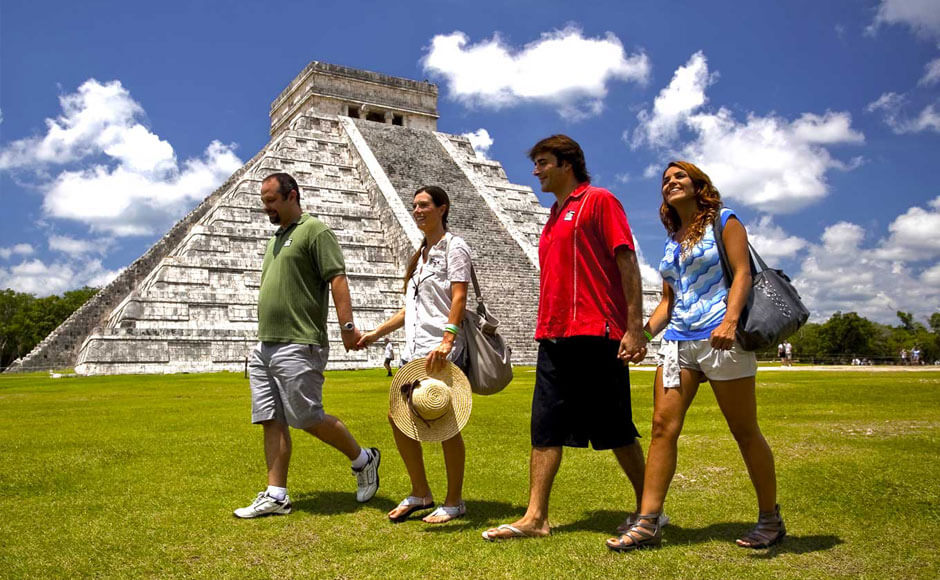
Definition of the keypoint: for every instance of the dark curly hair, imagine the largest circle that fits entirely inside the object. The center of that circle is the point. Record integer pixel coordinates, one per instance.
(707, 199)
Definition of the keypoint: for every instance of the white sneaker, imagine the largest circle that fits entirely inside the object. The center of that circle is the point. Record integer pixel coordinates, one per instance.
(367, 478)
(265, 505)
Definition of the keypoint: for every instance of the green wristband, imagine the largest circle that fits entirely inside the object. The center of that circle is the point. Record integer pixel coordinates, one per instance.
(648, 335)
(452, 328)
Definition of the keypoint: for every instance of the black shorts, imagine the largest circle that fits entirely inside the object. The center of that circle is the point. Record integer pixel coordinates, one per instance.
(582, 394)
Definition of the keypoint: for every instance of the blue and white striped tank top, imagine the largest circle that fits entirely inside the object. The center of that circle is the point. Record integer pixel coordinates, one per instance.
(698, 284)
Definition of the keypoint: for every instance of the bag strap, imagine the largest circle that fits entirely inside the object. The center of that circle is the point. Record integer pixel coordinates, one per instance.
(718, 230)
(473, 272)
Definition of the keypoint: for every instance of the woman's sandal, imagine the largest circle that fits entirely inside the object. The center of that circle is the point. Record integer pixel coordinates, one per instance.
(448, 512)
(768, 531)
(412, 504)
(631, 519)
(647, 532)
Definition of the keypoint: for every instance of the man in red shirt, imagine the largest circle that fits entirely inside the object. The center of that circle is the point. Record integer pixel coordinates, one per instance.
(590, 325)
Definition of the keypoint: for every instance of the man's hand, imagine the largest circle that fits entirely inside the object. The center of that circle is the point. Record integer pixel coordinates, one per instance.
(632, 346)
(350, 338)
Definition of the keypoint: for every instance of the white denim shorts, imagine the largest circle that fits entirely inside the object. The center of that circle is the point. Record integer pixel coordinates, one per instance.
(698, 355)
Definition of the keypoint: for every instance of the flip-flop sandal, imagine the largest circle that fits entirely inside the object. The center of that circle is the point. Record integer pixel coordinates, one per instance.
(413, 504)
(514, 533)
(451, 512)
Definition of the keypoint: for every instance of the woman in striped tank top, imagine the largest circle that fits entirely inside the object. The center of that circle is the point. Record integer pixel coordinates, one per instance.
(699, 311)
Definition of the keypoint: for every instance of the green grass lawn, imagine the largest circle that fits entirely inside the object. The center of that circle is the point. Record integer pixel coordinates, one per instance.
(134, 476)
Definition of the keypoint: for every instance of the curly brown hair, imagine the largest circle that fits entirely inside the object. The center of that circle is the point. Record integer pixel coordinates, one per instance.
(707, 199)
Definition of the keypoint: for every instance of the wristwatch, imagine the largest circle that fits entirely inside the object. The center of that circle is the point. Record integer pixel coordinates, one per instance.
(348, 326)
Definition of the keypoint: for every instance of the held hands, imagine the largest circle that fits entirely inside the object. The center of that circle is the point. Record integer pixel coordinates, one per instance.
(366, 339)
(351, 339)
(632, 347)
(437, 357)
(722, 338)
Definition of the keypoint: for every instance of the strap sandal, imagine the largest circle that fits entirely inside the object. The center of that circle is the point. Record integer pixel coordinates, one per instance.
(631, 519)
(447, 512)
(768, 531)
(412, 504)
(647, 532)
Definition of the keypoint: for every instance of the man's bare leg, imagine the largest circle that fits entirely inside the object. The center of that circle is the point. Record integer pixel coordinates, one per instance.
(543, 466)
(630, 458)
(277, 449)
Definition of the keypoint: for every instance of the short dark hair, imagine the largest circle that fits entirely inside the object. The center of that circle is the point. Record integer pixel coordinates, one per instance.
(564, 148)
(285, 184)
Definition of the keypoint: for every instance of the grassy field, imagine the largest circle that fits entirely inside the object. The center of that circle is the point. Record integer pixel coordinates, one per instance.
(137, 476)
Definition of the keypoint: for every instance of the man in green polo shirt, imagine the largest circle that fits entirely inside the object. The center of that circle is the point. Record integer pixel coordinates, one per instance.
(301, 262)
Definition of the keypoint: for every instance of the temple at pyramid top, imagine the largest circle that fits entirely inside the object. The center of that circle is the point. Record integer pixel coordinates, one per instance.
(338, 90)
(359, 144)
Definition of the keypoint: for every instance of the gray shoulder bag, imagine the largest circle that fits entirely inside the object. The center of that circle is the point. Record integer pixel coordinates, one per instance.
(773, 310)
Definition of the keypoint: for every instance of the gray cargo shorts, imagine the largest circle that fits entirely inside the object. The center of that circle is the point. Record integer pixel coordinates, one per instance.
(286, 382)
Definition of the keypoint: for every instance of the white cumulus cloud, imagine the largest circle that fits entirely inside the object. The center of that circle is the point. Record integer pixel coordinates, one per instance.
(16, 250)
(772, 242)
(115, 175)
(480, 140)
(915, 234)
(900, 272)
(922, 16)
(42, 279)
(673, 105)
(494, 75)
(76, 247)
(766, 162)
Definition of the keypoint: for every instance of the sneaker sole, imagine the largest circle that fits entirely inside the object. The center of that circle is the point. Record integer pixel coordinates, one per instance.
(286, 511)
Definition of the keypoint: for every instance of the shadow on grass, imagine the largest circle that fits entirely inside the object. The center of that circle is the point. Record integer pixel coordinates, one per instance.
(606, 521)
(327, 503)
(481, 514)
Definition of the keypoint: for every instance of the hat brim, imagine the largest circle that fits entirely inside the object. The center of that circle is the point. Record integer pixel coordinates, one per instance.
(445, 426)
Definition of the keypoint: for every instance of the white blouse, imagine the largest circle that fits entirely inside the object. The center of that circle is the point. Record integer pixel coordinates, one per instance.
(428, 298)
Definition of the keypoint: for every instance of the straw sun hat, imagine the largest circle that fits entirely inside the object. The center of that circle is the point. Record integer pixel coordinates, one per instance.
(439, 403)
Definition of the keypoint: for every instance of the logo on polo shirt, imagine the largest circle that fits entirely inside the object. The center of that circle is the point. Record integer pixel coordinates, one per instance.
(287, 243)
(569, 216)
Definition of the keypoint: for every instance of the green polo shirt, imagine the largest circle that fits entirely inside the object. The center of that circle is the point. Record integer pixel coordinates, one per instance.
(299, 262)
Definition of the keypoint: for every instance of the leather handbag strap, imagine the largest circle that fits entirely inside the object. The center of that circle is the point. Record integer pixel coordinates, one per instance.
(719, 230)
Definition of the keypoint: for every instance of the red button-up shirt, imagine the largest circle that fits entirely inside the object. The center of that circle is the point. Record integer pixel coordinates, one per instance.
(580, 292)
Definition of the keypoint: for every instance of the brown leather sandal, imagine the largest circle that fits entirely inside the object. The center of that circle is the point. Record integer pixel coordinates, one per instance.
(768, 531)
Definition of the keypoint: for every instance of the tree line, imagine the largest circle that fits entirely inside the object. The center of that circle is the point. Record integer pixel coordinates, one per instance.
(847, 336)
(25, 319)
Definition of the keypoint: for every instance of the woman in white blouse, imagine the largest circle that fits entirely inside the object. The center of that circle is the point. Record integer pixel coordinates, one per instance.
(435, 297)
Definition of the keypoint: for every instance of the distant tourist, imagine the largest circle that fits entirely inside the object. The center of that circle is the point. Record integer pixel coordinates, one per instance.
(700, 320)
(781, 353)
(904, 356)
(301, 262)
(915, 355)
(389, 355)
(435, 292)
(788, 353)
(589, 327)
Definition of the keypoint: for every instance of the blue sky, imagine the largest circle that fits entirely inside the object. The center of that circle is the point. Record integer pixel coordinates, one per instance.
(818, 121)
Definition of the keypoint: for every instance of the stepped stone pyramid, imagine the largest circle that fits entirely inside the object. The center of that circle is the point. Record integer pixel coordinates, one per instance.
(359, 144)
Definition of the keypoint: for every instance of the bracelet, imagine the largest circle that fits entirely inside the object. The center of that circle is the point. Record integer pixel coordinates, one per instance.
(649, 336)
(452, 328)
